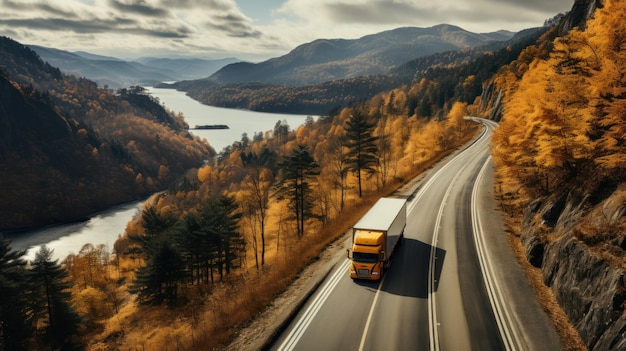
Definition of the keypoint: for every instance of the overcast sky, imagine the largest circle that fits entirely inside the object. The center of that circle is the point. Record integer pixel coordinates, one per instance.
(248, 29)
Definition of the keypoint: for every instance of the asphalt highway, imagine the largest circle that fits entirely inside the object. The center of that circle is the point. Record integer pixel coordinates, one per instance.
(453, 284)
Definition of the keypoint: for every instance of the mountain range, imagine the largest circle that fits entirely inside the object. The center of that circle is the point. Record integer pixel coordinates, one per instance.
(314, 62)
(116, 73)
(323, 75)
(331, 59)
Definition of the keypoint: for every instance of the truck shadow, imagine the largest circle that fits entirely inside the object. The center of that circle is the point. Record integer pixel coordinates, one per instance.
(408, 274)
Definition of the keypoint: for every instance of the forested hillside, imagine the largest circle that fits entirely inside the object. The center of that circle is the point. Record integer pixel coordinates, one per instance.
(69, 148)
(560, 153)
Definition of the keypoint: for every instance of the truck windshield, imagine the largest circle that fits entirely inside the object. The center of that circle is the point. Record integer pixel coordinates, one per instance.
(364, 257)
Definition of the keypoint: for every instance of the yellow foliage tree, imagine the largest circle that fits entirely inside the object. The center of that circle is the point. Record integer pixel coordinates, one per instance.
(567, 114)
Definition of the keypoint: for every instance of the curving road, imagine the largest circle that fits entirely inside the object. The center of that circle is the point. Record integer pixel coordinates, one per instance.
(453, 284)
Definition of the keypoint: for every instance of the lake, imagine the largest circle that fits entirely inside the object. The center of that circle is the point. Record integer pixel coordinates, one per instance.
(238, 121)
(104, 227)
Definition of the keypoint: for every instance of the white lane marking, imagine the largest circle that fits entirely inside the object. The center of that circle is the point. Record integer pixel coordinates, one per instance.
(508, 332)
(433, 330)
(296, 333)
(432, 272)
(369, 316)
(432, 179)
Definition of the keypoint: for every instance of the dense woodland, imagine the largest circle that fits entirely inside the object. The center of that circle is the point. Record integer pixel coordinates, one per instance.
(69, 148)
(236, 231)
(562, 132)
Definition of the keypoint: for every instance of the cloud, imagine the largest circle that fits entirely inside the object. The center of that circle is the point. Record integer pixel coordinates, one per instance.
(213, 5)
(94, 25)
(38, 6)
(376, 12)
(61, 24)
(428, 11)
(220, 26)
(548, 7)
(139, 7)
(233, 24)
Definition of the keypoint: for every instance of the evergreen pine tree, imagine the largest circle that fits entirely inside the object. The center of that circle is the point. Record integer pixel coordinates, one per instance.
(159, 279)
(211, 238)
(297, 170)
(52, 301)
(361, 145)
(15, 319)
(164, 268)
(227, 226)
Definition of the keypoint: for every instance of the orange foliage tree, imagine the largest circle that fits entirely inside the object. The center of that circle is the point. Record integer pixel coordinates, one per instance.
(564, 125)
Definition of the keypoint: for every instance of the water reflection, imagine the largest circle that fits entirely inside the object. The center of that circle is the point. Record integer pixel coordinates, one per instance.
(238, 121)
(102, 228)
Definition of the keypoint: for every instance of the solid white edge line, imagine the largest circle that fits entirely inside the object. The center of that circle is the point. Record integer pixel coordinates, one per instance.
(296, 333)
(433, 330)
(432, 305)
(508, 333)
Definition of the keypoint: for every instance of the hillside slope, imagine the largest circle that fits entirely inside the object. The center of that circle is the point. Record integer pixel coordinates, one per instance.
(68, 148)
(560, 159)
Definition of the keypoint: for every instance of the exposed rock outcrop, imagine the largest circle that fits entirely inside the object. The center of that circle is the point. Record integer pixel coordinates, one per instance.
(588, 287)
(581, 11)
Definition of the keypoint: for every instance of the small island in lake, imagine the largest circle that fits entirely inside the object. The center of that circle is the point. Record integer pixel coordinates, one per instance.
(211, 126)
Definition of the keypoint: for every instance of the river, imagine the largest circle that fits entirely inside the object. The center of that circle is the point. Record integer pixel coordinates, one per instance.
(238, 121)
(104, 227)
(101, 228)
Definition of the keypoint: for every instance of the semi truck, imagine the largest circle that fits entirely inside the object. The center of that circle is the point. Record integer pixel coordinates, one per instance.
(375, 238)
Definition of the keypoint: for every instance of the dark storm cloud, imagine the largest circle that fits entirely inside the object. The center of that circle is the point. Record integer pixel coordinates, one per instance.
(139, 7)
(117, 25)
(44, 7)
(233, 24)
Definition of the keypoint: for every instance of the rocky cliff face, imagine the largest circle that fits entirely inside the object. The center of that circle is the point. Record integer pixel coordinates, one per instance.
(578, 16)
(588, 285)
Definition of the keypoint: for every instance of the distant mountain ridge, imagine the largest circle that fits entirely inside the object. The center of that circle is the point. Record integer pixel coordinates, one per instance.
(322, 97)
(116, 73)
(331, 59)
